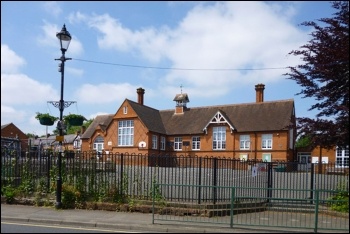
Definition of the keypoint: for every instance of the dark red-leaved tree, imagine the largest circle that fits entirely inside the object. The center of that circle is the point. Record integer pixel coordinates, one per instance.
(324, 75)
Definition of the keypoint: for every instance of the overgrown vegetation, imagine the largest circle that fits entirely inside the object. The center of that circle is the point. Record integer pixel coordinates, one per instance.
(156, 193)
(340, 201)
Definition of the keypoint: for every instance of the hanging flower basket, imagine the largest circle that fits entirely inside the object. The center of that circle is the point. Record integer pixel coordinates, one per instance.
(74, 120)
(46, 119)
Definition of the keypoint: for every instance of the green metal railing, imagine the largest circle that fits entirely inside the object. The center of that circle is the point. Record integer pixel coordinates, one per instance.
(249, 211)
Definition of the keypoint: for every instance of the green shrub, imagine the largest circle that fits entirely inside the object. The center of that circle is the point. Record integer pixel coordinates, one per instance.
(340, 200)
(69, 196)
(10, 194)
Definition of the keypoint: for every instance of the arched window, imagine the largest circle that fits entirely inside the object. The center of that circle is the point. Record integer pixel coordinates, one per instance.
(98, 144)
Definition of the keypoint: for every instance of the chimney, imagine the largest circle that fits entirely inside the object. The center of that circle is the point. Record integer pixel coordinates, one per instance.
(140, 93)
(83, 129)
(259, 92)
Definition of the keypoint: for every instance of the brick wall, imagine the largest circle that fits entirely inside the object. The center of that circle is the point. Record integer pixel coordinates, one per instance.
(11, 131)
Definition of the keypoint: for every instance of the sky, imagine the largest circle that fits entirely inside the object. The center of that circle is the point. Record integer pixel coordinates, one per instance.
(216, 52)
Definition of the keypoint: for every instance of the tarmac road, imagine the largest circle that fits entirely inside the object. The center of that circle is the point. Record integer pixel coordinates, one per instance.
(109, 219)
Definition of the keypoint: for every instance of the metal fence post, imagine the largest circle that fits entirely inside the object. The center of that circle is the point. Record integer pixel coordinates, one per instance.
(121, 174)
(215, 165)
(316, 210)
(232, 205)
(312, 183)
(48, 158)
(199, 180)
(269, 181)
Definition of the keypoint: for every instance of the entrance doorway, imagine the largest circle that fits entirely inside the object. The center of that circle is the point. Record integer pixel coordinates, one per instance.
(304, 159)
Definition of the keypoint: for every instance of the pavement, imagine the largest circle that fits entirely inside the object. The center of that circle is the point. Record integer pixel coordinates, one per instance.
(128, 221)
(122, 221)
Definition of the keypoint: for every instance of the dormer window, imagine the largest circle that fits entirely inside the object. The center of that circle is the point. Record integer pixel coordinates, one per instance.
(125, 110)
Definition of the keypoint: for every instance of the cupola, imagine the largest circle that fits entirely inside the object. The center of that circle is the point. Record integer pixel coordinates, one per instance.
(181, 101)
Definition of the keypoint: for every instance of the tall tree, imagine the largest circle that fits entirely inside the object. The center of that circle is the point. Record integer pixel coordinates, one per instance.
(324, 75)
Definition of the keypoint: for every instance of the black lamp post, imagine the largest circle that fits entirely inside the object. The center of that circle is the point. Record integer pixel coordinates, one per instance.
(65, 39)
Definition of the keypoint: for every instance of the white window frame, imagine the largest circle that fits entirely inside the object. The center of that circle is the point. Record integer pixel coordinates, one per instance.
(266, 141)
(244, 142)
(125, 110)
(196, 143)
(154, 142)
(243, 157)
(178, 143)
(219, 138)
(266, 157)
(162, 143)
(77, 143)
(126, 133)
(342, 157)
(98, 144)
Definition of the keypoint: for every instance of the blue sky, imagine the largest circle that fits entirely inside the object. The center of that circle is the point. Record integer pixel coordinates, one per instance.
(218, 52)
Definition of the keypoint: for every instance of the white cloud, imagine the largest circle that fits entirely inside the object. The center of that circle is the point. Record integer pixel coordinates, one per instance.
(250, 35)
(53, 8)
(227, 35)
(75, 47)
(74, 71)
(109, 27)
(49, 39)
(11, 115)
(10, 61)
(92, 116)
(22, 90)
(77, 17)
(89, 93)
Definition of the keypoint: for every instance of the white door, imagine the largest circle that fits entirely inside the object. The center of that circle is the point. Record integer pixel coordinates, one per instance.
(304, 159)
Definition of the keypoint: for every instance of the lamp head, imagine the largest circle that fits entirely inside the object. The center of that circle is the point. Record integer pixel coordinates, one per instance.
(65, 38)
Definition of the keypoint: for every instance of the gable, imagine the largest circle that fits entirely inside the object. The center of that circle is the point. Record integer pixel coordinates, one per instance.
(150, 117)
(219, 118)
(100, 121)
(125, 110)
(12, 131)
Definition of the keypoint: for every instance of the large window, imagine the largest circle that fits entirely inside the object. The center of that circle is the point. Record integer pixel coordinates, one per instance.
(162, 143)
(266, 141)
(178, 143)
(126, 133)
(154, 142)
(219, 138)
(196, 143)
(244, 142)
(342, 157)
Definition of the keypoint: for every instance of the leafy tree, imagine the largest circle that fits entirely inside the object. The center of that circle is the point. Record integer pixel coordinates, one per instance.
(303, 141)
(324, 75)
(74, 129)
(31, 135)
